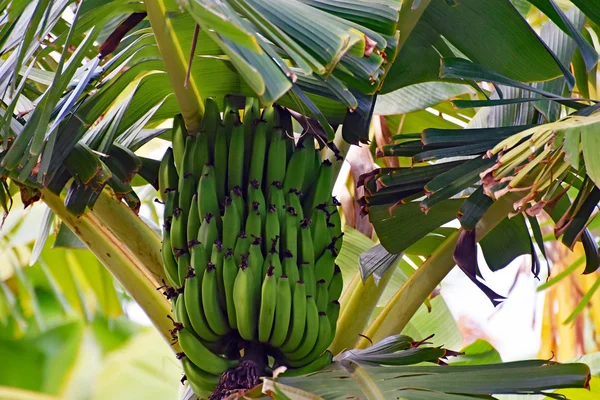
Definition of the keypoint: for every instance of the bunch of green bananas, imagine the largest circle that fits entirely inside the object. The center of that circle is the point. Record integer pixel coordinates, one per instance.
(251, 234)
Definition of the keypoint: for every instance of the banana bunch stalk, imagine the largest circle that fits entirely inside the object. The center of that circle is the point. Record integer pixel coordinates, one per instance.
(251, 234)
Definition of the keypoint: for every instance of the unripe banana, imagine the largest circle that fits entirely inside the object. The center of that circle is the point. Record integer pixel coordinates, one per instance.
(201, 378)
(216, 258)
(231, 117)
(307, 274)
(255, 195)
(181, 315)
(235, 170)
(290, 267)
(293, 200)
(231, 224)
(238, 199)
(317, 365)
(169, 262)
(321, 191)
(251, 119)
(267, 306)
(208, 234)
(187, 189)
(318, 230)
(272, 228)
(333, 312)
(270, 116)
(307, 250)
(277, 158)
(193, 222)
(220, 163)
(311, 169)
(294, 175)
(283, 311)
(257, 157)
(272, 260)
(246, 301)
(254, 221)
(242, 246)
(336, 286)
(201, 154)
(207, 195)
(290, 231)
(167, 174)
(178, 137)
(187, 162)
(210, 301)
(334, 226)
(178, 232)
(183, 265)
(277, 198)
(322, 298)
(230, 271)
(311, 333)
(255, 261)
(322, 342)
(200, 355)
(210, 124)
(325, 266)
(171, 202)
(298, 323)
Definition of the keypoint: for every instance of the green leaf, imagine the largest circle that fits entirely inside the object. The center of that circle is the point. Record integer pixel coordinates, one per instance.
(508, 240)
(590, 143)
(418, 97)
(404, 224)
(477, 353)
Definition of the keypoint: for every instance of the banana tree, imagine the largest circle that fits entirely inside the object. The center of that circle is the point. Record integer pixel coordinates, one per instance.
(75, 114)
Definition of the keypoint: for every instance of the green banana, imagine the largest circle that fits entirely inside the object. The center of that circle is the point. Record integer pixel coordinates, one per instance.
(272, 228)
(245, 300)
(184, 264)
(256, 260)
(178, 232)
(201, 154)
(171, 202)
(255, 195)
(254, 221)
(283, 310)
(277, 198)
(210, 301)
(200, 355)
(231, 224)
(200, 377)
(187, 189)
(169, 262)
(287, 127)
(318, 230)
(257, 157)
(216, 258)
(311, 333)
(293, 200)
(230, 271)
(322, 298)
(187, 162)
(231, 117)
(238, 199)
(267, 306)
(290, 231)
(168, 178)
(290, 268)
(242, 245)
(208, 234)
(325, 265)
(334, 224)
(210, 124)
(298, 323)
(276, 159)
(270, 116)
(193, 221)
(307, 250)
(320, 363)
(272, 260)
(192, 295)
(310, 170)
(336, 286)
(178, 137)
(333, 312)
(307, 274)
(235, 166)
(251, 118)
(220, 163)
(323, 341)
(321, 191)
(207, 195)
(294, 175)
(181, 315)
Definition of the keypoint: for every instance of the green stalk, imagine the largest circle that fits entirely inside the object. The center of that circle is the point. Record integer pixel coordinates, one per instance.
(176, 64)
(120, 261)
(139, 238)
(357, 304)
(407, 300)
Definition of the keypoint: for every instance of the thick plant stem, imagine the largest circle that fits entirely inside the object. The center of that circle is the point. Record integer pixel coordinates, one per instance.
(120, 261)
(139, 238)
(176, 64)
(407, 300)
(357, 304)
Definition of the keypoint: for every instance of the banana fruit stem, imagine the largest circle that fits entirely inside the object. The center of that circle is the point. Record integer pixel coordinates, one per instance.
(407, 300)
(120, 261)
(176, 64)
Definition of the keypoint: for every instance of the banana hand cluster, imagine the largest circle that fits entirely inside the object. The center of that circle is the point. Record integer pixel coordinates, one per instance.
(251, 235)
